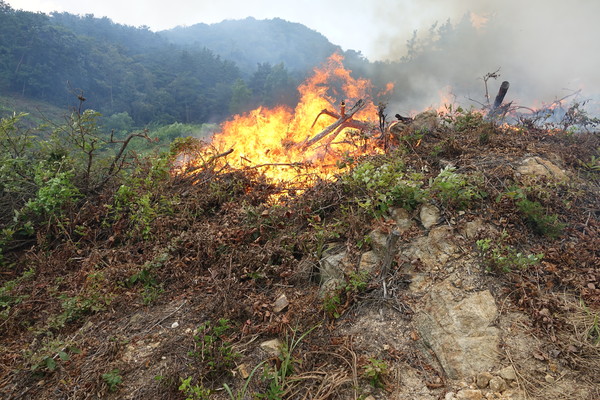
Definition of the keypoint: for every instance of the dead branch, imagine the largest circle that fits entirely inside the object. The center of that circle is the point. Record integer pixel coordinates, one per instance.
(344, 121)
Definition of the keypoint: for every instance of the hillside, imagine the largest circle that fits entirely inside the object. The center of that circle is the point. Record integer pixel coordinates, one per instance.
(461, 264)
(250, 42)
(186, 75)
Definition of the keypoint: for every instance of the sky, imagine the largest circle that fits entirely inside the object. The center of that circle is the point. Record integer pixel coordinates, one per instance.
(546, 48)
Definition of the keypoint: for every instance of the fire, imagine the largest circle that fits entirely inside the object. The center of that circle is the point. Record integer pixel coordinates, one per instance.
(272, 139)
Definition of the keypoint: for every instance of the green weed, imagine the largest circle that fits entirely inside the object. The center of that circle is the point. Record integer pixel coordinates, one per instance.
(454, 189)
(212, 348)
(500, 257)
(194, 392)
(375, 371)
(112, 379)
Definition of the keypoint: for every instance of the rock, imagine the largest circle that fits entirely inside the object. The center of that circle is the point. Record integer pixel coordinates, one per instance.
(369, 261)
(460, 332)
(175, 325)
(434, 250)
(402, 218)
(469, 394)
(425, 121)
(429, 215)
(498, 384)
(483, 379)
(378, 242)
(243, 370)
(329, 287)
(549, 378)
(449, 396)
(280, 304)
(537, 166)
(508, 373)
(272, 347)
(472, 228)
(332, 267)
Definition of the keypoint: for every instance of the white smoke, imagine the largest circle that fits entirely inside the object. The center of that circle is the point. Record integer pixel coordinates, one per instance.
(546, 49)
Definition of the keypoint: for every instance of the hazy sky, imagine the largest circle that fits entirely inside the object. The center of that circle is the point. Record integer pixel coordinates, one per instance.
(352, 24)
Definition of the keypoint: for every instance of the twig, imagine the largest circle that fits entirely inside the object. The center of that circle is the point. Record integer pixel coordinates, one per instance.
(390, 246)
(165, 318)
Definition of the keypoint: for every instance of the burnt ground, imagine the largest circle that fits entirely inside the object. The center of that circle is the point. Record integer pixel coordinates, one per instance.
(129, 295)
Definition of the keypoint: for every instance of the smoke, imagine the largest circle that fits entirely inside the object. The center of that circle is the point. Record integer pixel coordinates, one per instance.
(546, 49)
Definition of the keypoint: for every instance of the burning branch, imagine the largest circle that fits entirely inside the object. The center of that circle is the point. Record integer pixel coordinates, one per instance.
(344, 120)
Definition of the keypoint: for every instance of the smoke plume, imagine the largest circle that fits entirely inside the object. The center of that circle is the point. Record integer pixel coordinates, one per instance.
(547, 49)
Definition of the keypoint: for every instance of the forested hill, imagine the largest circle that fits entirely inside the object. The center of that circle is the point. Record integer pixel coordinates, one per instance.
(184, 75)
(249, 42)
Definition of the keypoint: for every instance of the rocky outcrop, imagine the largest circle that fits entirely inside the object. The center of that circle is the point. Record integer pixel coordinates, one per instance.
(460, 331)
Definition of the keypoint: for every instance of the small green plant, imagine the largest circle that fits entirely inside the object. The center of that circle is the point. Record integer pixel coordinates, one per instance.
(147, 278)
(381, 184)
(343, 294)
(212, 348)
(7, 299)
(194, 392)
(358, 281)
(541, 222)
(593, 165)
(500, 257)
(93, 298)
(278, 378)
(332, 303)
(534, 214)
(454, 189)
(375, 371)
(46, 358)
(113, 379)
(593, 324)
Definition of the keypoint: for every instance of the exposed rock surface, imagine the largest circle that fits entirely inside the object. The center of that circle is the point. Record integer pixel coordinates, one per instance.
(429, 215)
(538, 166)
(460, 330)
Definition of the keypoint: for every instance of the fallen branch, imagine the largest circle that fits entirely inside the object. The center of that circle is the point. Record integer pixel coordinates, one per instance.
(344, 121)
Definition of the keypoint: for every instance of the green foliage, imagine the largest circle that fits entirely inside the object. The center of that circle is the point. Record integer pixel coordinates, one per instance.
(113, 379)
(94, 297)
(212, 348)
(380, 185)
(146, 277)
(536, 216)
(454, 189)
(375, 371)
(463, 120)
(356, 282)
(593, 165)
(46, 358)
(193, 392)
(500, 257)
(332, 303)
(7, 298)
(55, 191)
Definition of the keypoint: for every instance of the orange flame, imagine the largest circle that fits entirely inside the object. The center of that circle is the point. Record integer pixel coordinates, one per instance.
(272, 139)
